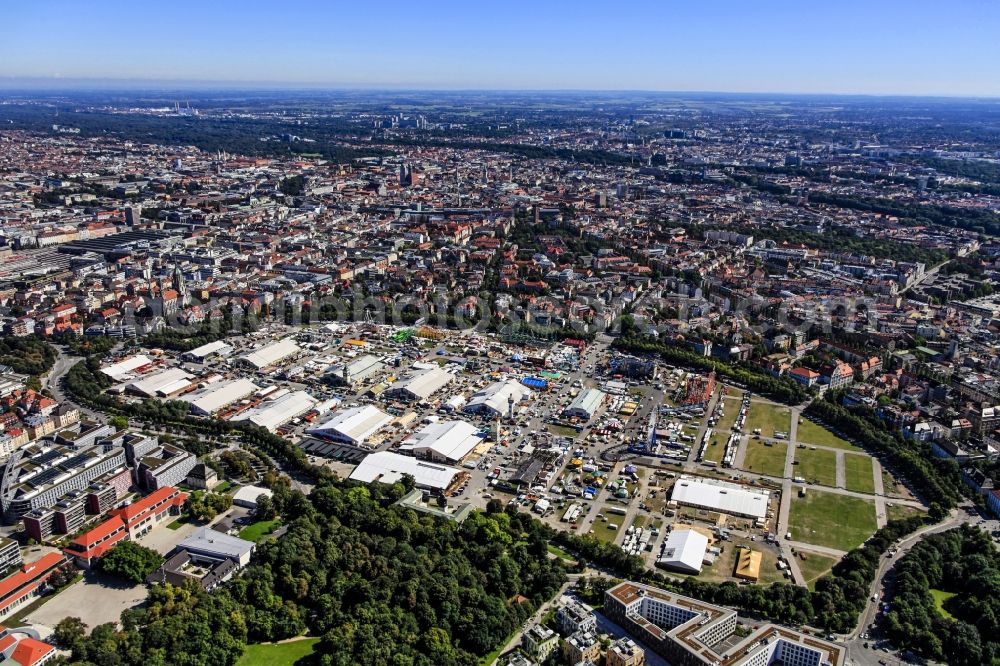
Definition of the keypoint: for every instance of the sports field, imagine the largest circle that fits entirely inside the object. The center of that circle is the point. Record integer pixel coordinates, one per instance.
(277, 654)
(828, 519)
(818, 466)
(811, 433)
(858, 475)
(762, 459)
(769, 418)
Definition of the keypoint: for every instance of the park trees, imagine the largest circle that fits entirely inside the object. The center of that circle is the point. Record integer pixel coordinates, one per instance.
(130, 561)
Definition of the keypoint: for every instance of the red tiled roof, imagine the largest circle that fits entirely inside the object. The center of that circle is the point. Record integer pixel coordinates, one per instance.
(30, 572)
(30, 651)
(6, 642)
(104, 529)
(135, 509)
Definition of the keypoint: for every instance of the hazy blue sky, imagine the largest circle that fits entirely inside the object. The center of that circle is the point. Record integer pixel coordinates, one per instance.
(944, 47)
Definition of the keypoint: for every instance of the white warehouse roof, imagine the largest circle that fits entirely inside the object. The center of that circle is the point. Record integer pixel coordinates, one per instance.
(271, 354)
(124, 368)
(423, 383)
(247, 495)
(720, 496)
(353, 426)
(218, 396)
(357, 370)
(276, 412)
(684, 550)
(161, 383)
(218, 347)
(586, 403)
(496, 395)
(388, 467)
(448, 441)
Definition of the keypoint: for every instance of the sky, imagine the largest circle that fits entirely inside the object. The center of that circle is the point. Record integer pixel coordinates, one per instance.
(908, 47)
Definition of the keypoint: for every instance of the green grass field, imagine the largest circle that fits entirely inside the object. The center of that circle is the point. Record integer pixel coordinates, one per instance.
(814, 567)
(716, 447)
(858, 475)
(559, 552)
(940, 599)
(562, 431)
(769, 418)
(732, 408)
(258, 531)
(834, 521)
(602, 531)
(810, 433)
(819, 466)
(277, 654)
(769, 460)
(901, 512)
(179, 523)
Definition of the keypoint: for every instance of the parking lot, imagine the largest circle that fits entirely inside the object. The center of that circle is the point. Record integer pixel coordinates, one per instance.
(78, 600)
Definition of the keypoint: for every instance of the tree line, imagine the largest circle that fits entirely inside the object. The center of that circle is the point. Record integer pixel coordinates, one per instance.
(838, 599)
(938, 481)
(962, 567)
(29, 355)
(778, 388)
(378, 583)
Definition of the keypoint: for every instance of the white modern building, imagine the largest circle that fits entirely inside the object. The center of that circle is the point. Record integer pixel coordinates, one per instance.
(419, 384)
(720, 496)
(496, 398)
(684, 551)
(272, 414)
(352, 426)
(210, 544)
(270, 354)
(690, 632)
(388, 467)
(446, 441)
(220, 395)
(247, 496)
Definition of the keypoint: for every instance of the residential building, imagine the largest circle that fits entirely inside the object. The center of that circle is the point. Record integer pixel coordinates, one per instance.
(689, 632)
(28, 582)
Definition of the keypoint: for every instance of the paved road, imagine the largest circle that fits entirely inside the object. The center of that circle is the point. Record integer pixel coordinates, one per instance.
(881, 589)
(53, 382)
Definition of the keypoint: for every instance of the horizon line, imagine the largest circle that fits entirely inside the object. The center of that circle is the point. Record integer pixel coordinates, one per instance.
(102, 84)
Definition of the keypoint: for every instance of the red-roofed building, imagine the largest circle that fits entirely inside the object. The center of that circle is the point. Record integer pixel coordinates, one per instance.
(32, 652)
(126, 523)
(142, 515)
(93, 544)
(23, 647)
(804, 376)
(23, 586)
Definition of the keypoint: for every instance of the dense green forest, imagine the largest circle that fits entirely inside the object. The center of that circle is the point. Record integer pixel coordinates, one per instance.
(27, 355)
(378, 583)
(946, 605)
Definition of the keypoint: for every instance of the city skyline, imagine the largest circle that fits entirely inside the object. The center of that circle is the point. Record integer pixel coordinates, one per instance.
(891, 49)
